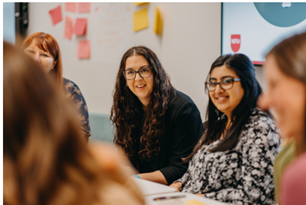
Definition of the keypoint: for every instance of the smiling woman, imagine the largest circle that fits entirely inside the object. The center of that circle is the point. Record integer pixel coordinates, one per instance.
(45, 51)
(156, 125)
(233, 161)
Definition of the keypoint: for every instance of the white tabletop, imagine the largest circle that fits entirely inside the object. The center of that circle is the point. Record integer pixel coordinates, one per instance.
(180, 201)
(150, 188)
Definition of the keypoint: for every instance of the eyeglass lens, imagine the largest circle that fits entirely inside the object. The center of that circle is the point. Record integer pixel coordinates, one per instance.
(143, 72)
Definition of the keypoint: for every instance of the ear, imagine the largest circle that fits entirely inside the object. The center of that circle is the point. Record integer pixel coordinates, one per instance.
(54, 64)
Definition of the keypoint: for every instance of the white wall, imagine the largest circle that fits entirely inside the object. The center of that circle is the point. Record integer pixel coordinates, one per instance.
(190, 42)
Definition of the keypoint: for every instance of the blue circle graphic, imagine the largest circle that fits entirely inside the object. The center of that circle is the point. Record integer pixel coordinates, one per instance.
(282, 14)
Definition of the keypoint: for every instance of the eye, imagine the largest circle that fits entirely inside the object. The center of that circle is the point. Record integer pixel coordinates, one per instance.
(212, 83)
(45, 55)
(144, 70)
(130, 72)
(227, 81)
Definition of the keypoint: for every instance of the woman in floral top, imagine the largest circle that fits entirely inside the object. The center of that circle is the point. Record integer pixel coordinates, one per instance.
(44, 49)
(233, 161)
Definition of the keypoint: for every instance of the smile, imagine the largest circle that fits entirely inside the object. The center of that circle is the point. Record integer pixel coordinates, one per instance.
(140, 86)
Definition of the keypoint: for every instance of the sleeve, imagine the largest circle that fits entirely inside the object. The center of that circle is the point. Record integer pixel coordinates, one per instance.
(186, 130)
(81, 106)
(255, 183)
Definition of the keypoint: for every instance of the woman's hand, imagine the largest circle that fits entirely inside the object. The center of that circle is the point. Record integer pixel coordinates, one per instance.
(176, 185)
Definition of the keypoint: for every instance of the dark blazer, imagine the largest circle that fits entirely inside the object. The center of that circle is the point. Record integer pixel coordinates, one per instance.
(183, 129)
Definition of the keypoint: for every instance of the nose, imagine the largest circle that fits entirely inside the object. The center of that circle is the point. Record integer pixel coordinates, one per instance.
(35, 57)
(219, 89)
(263, 101)
(138, 77)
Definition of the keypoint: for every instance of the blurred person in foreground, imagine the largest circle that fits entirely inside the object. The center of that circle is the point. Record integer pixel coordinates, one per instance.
(45, 51)
(285, 72)
(44, 158)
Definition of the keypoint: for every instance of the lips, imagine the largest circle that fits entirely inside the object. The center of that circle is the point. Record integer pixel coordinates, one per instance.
(221, 98)
(140, 86)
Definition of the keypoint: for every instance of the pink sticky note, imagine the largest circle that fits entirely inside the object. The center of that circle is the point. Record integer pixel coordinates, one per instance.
(56, 15)
(84, 49)
(70, 7)
(68, 28)
(84, 7)
(80, 27)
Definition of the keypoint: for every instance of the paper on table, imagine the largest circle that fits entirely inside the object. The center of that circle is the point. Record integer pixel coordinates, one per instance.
(56, 15)
(141, 20)
(70, 6)
(84, 7)
(68, 28)
(80, 26)
(158, 24)
(84, 49)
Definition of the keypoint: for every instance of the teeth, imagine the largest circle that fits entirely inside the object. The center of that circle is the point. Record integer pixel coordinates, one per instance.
(221, 98)
(140, 86)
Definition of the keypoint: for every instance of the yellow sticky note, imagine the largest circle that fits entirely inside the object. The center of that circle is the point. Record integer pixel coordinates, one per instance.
(158, 23)
(141, 20)
(139, 3)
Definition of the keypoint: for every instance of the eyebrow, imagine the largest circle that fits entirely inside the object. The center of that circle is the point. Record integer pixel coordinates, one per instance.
(139, 68)
(227, 76)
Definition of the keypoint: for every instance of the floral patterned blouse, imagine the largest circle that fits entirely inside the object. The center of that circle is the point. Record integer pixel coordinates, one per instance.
(74, 93)
(243, 175)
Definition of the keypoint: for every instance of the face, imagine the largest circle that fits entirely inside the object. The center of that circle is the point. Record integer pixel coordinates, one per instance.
(141, 87)
(286, 96)
(43, 58)
(225, 100)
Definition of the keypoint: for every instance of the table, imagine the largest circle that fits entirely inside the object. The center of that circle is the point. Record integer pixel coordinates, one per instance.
(151, 190)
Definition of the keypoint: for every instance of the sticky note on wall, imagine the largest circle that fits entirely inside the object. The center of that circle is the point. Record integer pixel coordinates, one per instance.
(140, 3)
(56, 15)
(84, 49)
(68, 28)
(70, 7)
(84, 7)
(140, 20)
(158, 23)
(80, 26)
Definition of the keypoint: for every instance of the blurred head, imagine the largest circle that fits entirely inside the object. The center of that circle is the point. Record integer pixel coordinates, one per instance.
(285, 72)
(44, 153)
(44, 50)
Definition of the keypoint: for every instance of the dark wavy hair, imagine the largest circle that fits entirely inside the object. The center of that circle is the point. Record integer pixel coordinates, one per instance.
(216, 120)
(138, 132)
(291, 59)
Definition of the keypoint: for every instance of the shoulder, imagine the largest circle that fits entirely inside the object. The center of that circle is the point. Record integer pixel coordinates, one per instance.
(69, 84)
(180, 100)
(260, 121)
(296, 170)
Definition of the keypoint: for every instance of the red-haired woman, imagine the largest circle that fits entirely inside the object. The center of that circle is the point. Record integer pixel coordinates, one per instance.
(44, 49)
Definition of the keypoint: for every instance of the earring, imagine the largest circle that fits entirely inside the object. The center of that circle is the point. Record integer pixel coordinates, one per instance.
(126, 85)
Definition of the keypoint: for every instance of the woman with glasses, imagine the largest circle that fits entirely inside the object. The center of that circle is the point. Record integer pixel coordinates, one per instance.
(156, 125)
(233, 161)
(285, 71)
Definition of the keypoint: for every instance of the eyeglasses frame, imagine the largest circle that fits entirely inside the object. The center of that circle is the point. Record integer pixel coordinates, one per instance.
(219, 83)
(123, 72)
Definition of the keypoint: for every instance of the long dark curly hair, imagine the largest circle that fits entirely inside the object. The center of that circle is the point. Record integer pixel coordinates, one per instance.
(137, 131)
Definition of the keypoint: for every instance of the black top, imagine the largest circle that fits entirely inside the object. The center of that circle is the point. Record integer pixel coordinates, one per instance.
(73, 93)
(183, 129)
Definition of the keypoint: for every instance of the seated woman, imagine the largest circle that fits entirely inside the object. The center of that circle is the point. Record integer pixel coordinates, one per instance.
(44, 49)
(45, 160)
(233, 161)
(285, 71)
(156, 125)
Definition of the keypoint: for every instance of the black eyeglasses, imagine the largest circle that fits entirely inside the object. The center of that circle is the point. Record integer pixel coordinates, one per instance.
(144, 72)
(226, 83)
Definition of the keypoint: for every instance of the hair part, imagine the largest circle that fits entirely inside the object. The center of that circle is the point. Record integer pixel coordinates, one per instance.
(138, 131)
(47, 43)
(290, 56)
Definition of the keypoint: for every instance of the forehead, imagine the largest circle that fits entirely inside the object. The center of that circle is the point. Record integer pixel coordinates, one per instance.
(221, 71)
(36, 44)
(271, 69)
(136, 61)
